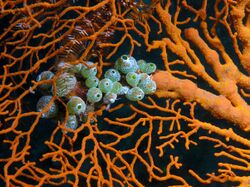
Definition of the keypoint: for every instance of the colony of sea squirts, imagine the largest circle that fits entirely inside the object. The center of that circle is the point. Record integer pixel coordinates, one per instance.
(128, 77)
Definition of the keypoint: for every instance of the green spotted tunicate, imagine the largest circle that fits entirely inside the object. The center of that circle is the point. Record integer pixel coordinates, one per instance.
(124, 90)
(66, 67)
(94, 95)
(126, 64)
(113, 75)
(76, 105)
(143, 76)
(135, 94)
(92, 82)
(45, 75)
(43, 103)
(116, 88)
(149, 68)
(88, 72)
(105, 85)
(65, 83)
(142, 65)
(77, 68)
(69, 68)
(148, 86)
(109, 98)
(72, 122)
(132, 79)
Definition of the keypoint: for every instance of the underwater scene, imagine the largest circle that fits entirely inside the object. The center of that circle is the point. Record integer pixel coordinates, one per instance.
(125, 93)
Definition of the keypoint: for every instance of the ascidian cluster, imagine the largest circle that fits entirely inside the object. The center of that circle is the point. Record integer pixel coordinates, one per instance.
(81, 91)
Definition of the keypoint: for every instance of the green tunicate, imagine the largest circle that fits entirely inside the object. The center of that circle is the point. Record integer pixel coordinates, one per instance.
(150, 68)
(105, 85)
(69, 68)
(135, 94)
(132, 79)
(77, 68)
(94, 95)
(65, 83)
(72, 122)
(117, 86)
(142, 65)
(126, 64)
(109, 98)
(66, 67)
(143, 76)
(76, 105)
(148, 86)
(92, 82)
(113, 75)
(45, 75)
(124, 90)
(42, 104)
(88, 72)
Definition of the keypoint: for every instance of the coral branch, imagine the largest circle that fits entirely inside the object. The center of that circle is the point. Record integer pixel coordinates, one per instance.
(124, 93)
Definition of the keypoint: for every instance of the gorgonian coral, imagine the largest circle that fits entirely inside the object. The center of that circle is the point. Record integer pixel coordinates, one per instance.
(81, 103)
